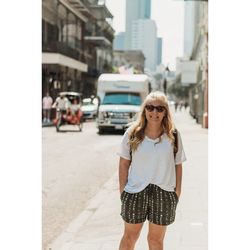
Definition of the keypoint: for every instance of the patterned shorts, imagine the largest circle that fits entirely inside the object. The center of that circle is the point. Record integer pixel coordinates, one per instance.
(152, 203)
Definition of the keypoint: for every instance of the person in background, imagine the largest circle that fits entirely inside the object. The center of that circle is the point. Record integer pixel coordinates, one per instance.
(75, 106)
(150, 173)
(181, 105)
(47, 105)
(176, 106)
(61, 104)
(72, 111)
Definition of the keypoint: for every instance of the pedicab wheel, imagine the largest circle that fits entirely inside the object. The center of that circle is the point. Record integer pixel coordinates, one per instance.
(101, 131)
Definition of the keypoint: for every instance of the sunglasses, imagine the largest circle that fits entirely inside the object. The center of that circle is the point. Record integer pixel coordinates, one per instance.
(158, 109)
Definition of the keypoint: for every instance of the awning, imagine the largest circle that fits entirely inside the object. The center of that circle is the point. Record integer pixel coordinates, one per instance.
(98, 40)
(56, 58)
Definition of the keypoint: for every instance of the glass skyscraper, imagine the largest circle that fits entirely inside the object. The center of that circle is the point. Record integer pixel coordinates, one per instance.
(135, 9)
(145, 9)
(141, 31)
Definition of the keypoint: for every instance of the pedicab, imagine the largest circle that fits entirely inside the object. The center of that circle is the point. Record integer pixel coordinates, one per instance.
(68, 106)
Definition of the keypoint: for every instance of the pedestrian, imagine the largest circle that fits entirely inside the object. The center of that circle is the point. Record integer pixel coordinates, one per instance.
(176, 106)
(181, 105)
(186, 105)
(150, 173)
(47, 105)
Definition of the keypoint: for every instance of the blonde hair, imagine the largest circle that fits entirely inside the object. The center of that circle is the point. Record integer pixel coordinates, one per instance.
(137, 130)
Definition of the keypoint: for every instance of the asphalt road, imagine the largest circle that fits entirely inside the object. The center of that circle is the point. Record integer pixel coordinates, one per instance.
(75, 166)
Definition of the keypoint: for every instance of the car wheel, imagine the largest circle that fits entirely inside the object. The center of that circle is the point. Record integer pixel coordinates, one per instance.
(101, 131)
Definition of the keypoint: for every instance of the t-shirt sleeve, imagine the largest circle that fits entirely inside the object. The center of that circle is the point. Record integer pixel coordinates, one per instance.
(180, 155)
(124, 149)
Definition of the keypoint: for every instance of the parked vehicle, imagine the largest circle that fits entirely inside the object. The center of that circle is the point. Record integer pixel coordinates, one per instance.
(120, 98)
(71, 113)
(89, 108)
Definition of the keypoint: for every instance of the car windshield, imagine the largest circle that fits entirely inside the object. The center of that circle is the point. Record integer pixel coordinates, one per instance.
(73, 99)
(87, 103)
(122, 98)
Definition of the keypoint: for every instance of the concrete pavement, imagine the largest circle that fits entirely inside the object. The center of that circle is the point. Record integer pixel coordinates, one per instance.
(100, 227)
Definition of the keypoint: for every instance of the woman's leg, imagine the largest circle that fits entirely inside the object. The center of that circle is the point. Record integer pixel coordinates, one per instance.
(156, 236)
(130, 236)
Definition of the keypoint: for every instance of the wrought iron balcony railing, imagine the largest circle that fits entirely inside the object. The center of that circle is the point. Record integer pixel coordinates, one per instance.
(64, 49)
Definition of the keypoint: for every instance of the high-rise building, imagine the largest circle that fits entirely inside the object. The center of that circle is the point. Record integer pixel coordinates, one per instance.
(143, 37)
(135, 9)
(119, 41)
(145, 9)
(159, 50)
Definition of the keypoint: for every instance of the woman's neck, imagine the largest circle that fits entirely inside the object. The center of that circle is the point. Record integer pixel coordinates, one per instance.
(153, 131)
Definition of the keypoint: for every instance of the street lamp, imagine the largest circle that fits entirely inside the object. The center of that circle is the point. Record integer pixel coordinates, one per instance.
(165, 84)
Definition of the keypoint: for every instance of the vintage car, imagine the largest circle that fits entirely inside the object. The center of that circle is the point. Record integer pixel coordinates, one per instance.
(89, 108)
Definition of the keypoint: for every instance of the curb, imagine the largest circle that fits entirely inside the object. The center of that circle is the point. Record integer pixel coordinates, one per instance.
(48, 124)
(65, 239)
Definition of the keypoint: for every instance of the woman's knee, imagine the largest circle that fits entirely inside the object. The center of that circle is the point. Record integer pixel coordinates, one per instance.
(155, 242)
(131, 237)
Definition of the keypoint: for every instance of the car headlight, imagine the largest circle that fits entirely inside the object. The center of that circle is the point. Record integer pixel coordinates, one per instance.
(103, 115)
(133, 115)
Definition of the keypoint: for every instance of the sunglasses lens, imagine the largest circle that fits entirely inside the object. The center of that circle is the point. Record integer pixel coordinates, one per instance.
(159, 109)
(150, 108)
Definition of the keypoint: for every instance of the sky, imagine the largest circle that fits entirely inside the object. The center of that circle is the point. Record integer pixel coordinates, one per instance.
(169, 18)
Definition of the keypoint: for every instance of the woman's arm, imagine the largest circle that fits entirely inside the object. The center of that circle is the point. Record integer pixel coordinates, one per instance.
(123, 172)
(178, 172)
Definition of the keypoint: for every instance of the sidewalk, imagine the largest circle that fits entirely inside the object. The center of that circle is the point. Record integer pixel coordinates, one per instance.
(47, 124)
(100, 227)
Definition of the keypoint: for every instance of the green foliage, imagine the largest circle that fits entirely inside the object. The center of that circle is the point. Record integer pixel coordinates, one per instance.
(107, 68)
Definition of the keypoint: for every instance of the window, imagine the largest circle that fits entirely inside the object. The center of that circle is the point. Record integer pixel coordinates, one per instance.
(122, 98)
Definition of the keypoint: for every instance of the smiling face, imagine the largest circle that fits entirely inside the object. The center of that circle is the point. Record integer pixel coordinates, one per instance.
(155, 111)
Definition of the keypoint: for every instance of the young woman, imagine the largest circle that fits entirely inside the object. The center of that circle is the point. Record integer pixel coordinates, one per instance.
(150, 173)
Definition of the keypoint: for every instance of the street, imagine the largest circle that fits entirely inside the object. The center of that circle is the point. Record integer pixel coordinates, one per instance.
(80, 171)
(75, 166)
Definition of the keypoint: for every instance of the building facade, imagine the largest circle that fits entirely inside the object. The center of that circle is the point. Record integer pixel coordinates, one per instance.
(194, 67)
(76, 45)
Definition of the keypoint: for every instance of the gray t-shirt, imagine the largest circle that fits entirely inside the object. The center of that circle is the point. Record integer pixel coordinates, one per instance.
(152, 162)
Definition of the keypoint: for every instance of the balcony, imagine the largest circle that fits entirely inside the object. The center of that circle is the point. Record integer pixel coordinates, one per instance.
(98, 41)
(100, 12)
(98, 37)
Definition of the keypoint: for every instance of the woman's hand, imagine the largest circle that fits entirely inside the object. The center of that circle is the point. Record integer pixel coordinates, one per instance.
(178, 170)
(178, 193)
(124, 165)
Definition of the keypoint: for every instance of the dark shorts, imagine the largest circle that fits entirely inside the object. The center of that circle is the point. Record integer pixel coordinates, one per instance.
(152, 203)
